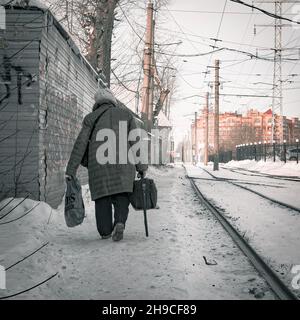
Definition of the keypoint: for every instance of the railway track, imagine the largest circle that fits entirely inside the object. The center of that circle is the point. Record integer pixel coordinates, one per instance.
(241, 181)
(252, 173)
(281, 291)
(285, 205)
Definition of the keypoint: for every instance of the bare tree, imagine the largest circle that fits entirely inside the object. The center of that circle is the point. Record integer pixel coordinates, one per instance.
(110, 33)
(238, 135)
(91, 24)
(96, 18)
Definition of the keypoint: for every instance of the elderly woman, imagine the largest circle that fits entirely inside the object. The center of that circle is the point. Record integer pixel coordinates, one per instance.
(110, 183)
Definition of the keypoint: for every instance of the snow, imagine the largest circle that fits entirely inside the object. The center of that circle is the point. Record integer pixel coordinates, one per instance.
(163, 121)
(167, 265)
(274, 231)
(269, 167)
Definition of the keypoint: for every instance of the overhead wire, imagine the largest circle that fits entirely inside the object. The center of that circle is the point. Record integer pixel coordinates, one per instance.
(270, 14)
(217, 36)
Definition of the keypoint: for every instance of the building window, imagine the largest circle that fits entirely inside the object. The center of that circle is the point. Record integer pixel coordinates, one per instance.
(257, 121)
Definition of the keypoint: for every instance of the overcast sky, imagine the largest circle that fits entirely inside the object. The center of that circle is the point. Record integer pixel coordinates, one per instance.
(195, 21)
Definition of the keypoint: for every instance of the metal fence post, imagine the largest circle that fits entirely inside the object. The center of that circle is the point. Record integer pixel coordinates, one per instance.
(284, 151)
(265, 151)
(297, 141)
(274, 153)
(255, 151)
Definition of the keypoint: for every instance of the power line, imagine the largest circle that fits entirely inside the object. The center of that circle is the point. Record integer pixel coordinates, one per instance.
(270, 14)
(217, 36)
(178, 25)
(213, 39)
(252, 42)
(215, 12)
(251, 55)
(191, 55)
(131, 26)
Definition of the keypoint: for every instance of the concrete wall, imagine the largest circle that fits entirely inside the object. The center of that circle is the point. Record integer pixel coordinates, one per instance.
(67, 86)
(19, 104)
(44, 110)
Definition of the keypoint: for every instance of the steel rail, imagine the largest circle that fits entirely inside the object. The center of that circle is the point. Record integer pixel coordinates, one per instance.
(283, 204)
(297, 178)
(264, 175)
(277, 286)
(240, 181)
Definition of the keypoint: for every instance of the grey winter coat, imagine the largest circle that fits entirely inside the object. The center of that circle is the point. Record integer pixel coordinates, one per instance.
(104, 179)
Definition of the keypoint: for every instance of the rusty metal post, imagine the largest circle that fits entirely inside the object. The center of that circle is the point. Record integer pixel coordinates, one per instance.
(206, 129)
(216, 115)
(147, 66)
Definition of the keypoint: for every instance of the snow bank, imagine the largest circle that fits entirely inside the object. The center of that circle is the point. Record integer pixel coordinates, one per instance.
(269, 167)
(21, 234)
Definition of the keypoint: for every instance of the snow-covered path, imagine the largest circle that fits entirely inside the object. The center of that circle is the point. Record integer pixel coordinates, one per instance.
(167, 265)
(274, 231)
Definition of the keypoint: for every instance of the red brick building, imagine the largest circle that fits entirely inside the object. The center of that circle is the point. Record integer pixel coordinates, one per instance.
(235, 129)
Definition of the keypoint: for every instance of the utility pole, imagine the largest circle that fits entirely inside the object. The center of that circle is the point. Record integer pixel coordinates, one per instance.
(277, 99)
(146, 113)
(206, 129)
(196, 138)
(216, 115)
(151, 87)
(277, 128)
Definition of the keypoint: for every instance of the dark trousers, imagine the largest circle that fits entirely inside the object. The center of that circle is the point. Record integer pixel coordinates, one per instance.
(103, 209)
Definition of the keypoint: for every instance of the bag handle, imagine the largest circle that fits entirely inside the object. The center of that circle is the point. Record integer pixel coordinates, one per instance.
(97, 119)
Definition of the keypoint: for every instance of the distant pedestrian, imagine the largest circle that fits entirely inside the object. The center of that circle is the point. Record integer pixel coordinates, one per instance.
(110, 183)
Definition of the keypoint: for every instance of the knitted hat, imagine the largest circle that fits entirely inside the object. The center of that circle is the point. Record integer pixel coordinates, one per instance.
(104, 95)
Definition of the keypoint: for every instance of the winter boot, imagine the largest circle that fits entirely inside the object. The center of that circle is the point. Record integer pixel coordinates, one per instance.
(106, 237)
(118, 231)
